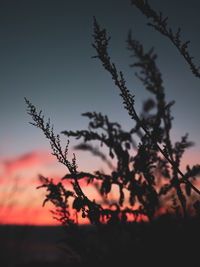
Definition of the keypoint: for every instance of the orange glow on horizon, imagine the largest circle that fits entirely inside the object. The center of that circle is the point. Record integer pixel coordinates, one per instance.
(21, 203)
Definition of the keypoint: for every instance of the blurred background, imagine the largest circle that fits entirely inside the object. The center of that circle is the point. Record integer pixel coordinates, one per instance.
(45, 51)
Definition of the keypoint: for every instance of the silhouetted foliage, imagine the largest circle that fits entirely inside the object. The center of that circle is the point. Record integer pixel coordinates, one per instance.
(148, 173)
(159, 23)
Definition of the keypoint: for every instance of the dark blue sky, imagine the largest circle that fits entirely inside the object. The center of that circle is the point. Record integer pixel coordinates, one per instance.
(45, 52)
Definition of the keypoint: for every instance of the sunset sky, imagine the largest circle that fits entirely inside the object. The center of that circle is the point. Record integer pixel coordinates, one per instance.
(45, 51)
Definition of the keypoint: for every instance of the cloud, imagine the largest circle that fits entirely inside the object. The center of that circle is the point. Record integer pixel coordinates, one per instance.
(20, 202)
(28, 160)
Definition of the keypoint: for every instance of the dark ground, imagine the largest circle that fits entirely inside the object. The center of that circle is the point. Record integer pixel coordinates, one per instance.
(165, 242)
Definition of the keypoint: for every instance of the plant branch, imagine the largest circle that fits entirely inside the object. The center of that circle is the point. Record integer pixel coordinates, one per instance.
(101, 44)
(160, 24)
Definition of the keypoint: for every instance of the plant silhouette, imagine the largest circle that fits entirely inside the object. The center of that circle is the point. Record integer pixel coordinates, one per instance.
(148, 175)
